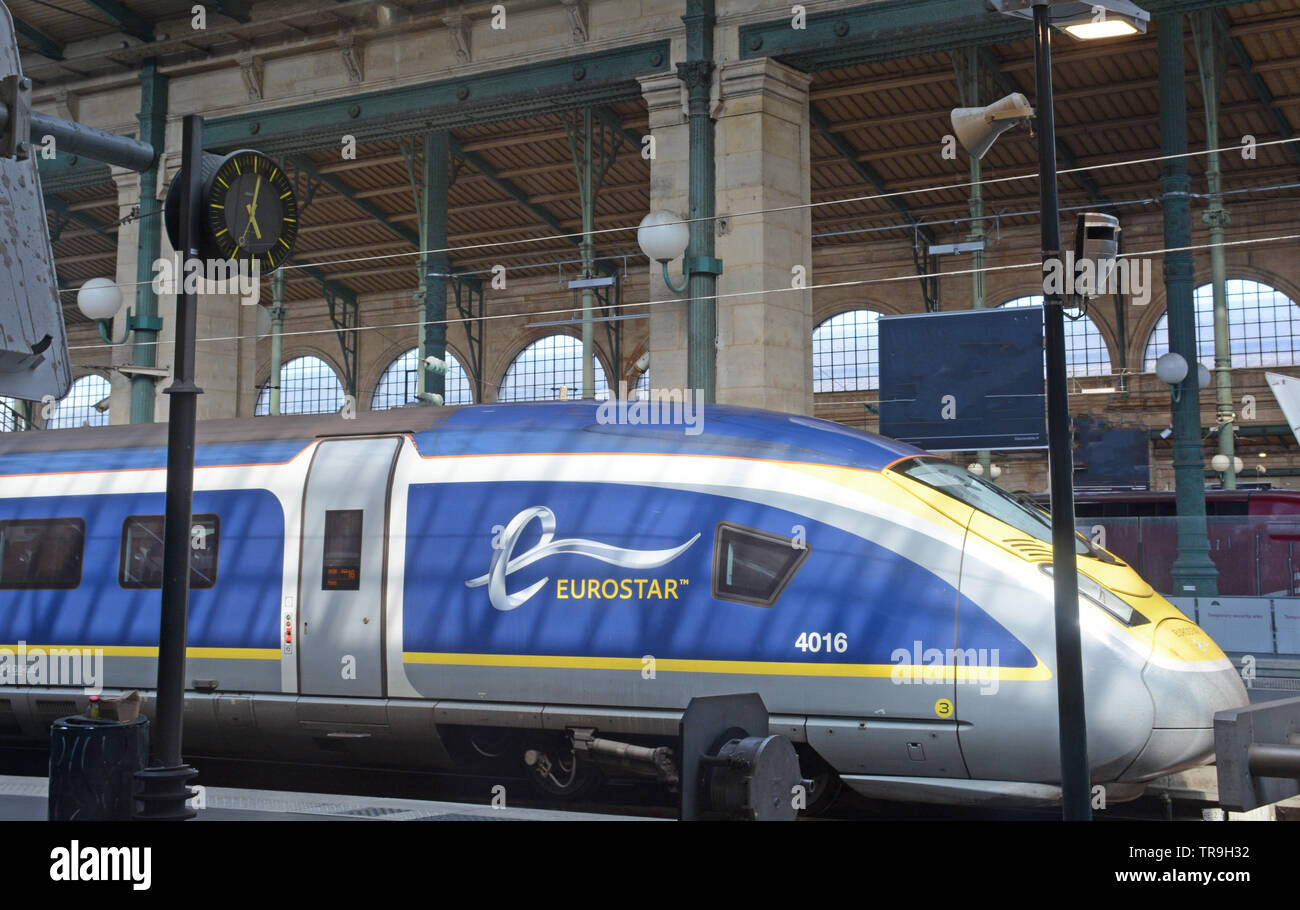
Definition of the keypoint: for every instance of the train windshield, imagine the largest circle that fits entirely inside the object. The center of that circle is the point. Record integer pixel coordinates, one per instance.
(988, 498)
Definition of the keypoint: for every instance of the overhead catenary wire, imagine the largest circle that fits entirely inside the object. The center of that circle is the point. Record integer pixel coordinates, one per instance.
(573, 235)
(608, 308)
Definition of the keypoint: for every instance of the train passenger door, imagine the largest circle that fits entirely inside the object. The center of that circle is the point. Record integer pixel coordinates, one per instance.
(344, 553)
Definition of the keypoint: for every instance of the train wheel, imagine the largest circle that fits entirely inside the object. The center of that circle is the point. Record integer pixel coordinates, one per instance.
(554, 769)
(826, 783)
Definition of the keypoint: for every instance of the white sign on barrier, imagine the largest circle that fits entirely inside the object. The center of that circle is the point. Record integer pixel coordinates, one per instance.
(1238, 623)
(1286, 619)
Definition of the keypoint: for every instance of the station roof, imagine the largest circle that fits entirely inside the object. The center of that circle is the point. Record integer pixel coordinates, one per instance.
(880, 121)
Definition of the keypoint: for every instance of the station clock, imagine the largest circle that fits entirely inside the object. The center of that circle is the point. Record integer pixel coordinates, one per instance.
(248, 211)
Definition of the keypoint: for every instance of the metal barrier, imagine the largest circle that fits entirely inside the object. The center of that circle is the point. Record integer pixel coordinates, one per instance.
(1257, 754)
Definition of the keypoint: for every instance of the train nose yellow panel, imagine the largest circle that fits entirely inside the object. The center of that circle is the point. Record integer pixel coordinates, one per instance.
(1180, 640)
(1189, 677)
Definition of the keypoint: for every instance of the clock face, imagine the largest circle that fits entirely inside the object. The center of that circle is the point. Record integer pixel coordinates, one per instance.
(252, 213)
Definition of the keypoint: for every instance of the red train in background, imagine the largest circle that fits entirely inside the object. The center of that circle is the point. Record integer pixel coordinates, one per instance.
(1254, 535)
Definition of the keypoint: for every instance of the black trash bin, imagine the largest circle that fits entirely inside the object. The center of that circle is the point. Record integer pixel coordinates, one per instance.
(93, 763)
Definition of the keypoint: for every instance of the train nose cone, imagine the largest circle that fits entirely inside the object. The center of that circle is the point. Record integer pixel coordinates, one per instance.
(1190, 679)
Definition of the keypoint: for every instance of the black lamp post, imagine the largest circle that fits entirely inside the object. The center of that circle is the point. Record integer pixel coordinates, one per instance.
(1073, 726)
(1099, 19)
(164, 787)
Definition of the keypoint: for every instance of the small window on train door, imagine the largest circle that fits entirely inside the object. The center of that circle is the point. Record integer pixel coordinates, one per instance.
(752, 566)
(140, 564)
(342, 558)
(41, 553)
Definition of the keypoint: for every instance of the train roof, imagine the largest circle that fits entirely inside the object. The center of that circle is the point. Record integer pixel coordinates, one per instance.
(546, 427)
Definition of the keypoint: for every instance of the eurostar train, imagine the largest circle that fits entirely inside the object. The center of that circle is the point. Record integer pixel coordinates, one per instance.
(427, 588)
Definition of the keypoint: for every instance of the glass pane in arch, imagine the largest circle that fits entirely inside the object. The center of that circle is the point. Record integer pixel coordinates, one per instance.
(846, 351)
(545, 367)
(77, 408)
(398, 385)
(1085, 348)
(308, 385)
(1263, 327)
(8, 415)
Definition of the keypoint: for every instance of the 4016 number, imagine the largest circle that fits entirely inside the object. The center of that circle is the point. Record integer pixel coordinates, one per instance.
(816, 642)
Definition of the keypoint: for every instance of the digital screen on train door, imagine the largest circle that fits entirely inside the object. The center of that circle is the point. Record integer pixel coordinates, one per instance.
(342, 557)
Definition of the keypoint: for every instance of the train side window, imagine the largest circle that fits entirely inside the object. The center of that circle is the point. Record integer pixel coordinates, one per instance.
(342, 559)
(141, 561)
(752, 566)
(41, 553)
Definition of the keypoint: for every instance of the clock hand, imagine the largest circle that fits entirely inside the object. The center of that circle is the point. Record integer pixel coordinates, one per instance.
(252, 209)
(248, 224)
(252, 218)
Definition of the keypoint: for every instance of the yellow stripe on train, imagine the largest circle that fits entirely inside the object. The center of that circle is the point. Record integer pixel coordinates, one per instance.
(901, 672)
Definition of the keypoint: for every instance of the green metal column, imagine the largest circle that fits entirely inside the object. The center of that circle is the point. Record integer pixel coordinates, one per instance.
(144, 348)
(433, 333)
(1211, 63)
(1193, 571)
(697, 74)
(278, 312)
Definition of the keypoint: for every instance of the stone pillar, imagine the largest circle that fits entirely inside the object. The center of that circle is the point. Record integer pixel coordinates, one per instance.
(764, 333)
(669, 190)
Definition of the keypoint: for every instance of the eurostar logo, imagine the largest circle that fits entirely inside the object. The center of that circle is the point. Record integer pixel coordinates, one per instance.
(505, 563)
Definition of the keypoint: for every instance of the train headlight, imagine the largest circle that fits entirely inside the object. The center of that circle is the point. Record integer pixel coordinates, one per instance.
(1103, 597)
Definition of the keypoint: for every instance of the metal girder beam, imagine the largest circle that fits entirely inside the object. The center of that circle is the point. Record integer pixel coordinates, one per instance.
(1010, 84)
(70, 172)
(890, 29)
(615, 123)
(1257, 84)
(127, 22)
(569, 82)
(60, 205)
(232, 9)
(327, 283)
(345, 322)
(308, 167)
(42, 43)
(866, 171)
(511, 189)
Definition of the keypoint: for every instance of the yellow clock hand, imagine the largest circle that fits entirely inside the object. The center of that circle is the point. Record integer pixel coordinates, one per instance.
(251, 208)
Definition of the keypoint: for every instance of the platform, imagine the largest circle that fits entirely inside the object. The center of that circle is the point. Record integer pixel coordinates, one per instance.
(26, 799)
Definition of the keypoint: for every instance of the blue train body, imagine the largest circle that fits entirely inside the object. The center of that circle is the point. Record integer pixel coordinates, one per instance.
(389, 587)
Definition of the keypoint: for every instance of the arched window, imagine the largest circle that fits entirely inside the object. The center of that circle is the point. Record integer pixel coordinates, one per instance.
(80, 407)
(1263, 327)
(398, 385)
(9, 419)
(307, 386)
(846, 352)
(1085, 348)
(545, 367)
